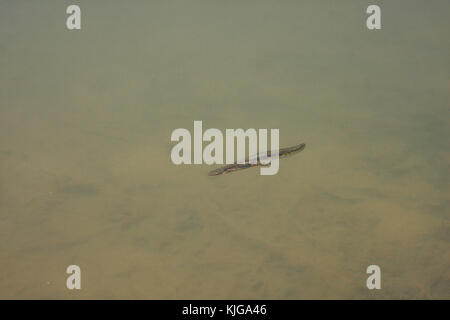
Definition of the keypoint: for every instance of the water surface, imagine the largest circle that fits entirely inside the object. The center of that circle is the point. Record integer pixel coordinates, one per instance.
(85, 171)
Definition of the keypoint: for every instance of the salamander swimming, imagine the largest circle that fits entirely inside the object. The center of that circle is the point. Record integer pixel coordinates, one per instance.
(282, 153)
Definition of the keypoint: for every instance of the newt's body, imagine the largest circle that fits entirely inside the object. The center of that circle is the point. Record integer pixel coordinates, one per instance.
(282, 153)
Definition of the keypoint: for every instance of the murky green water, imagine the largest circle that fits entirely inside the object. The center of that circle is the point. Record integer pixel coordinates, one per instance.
(85, 171)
